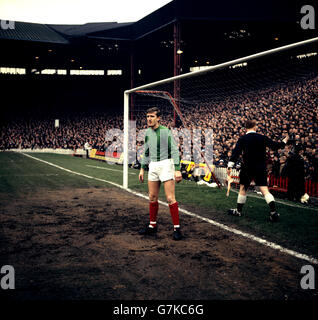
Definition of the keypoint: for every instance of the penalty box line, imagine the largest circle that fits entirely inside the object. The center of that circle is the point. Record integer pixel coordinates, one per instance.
(215, 223)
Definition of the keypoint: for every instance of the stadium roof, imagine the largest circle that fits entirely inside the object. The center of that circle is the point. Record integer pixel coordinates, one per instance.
(86, 29)
(211, 32)
(207, 10)
(55, 33)
(32, 32)
(200, 10)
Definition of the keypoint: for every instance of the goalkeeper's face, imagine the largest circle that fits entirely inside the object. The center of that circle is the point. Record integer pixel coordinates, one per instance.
(152, 120)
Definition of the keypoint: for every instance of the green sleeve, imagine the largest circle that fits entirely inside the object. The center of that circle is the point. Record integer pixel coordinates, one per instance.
(145, 155)
(174, 150)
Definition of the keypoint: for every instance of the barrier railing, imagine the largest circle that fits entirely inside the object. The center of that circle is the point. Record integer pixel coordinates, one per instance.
(279, 184)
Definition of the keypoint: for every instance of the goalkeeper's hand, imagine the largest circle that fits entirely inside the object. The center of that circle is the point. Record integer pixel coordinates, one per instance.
(178, 176)
(141, 175)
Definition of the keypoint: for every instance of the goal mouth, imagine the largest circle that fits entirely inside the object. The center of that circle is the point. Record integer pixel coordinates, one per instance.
(222, 97)
(166, 95)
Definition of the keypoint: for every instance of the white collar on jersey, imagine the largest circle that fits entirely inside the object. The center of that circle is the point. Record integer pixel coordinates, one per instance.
(252, 131)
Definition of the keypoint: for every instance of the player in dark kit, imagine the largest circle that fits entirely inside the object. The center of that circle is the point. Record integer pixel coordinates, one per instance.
(252, 146)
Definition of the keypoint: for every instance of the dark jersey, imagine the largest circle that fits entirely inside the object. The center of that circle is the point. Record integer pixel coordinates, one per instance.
(252, 147)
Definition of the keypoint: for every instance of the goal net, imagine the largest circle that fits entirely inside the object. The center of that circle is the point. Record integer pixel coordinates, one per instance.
(206, 109)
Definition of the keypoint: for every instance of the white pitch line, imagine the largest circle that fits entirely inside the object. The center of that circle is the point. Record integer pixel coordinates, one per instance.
(70, 171)
(217, 224)
(88, 165)
(29, 175)
(279, 201)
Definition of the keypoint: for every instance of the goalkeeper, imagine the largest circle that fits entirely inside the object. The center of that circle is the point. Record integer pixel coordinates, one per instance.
(252, 146)
(162, 155)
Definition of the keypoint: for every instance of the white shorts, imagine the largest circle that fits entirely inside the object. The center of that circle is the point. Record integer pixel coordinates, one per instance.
(161, 170)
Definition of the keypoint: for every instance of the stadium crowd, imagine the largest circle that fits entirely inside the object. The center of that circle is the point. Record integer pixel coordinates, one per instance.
(285, 108)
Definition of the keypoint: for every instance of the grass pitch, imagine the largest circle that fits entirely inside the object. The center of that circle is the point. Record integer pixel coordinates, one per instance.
(297, 229)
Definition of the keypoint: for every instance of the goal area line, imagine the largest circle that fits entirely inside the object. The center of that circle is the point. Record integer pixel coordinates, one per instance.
(189, 213)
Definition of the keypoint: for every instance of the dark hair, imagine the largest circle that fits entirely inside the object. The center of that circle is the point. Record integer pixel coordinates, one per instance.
(249, 124)
(154, 110)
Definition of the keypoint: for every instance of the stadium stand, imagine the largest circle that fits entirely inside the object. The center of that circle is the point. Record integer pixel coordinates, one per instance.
(274, 109)
(236, 32)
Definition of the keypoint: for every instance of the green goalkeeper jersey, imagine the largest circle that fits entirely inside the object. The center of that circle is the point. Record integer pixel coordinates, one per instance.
(160, 145)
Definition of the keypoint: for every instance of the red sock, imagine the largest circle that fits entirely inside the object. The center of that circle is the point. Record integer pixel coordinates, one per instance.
(153, 211)
(174, 211)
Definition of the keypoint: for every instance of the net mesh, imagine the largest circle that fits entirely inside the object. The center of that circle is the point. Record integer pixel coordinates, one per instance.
(278, 90)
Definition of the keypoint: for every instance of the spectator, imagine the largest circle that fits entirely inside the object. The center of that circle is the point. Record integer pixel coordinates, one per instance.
(290, 107)
(296, 175)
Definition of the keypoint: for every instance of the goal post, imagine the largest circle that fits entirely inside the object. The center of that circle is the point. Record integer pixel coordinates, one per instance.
(212, 85)
(126, 139)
